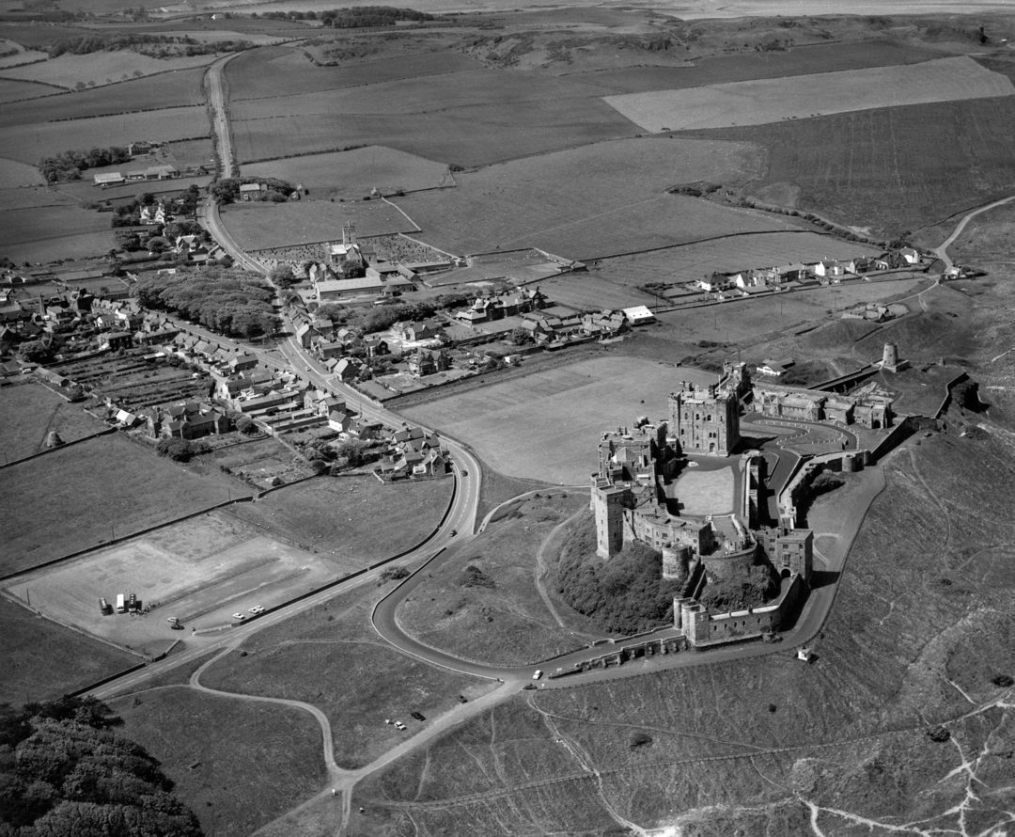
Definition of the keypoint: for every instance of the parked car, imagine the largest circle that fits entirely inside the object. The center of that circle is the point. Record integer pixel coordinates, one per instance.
(418, 716)
(239, 616)
(257, 610)
(537, 674)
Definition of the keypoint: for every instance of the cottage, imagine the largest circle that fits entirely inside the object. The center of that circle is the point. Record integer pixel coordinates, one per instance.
(251, 191)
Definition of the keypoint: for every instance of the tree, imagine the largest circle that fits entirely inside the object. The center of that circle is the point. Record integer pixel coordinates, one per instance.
(282, 275)
(245, 424)
(521, 336)
(179, 450)
(35, 351)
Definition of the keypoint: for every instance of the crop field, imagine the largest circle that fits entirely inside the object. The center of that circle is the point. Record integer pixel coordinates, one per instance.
(237, 764)
(502, 620)
(200, 571)
(177, 88)
(26, 198)
(43, 234)
(186, 154)
(724, 69)
(83, 495)
(338, 517)
(101, 68)
(551, 202)
(843, 164)
(42, 660)
(330, 657)
(257, 226)
(29, 411)
(798, 97)
(14, 174)
(353, 174)
(13, 91)
(287, 71)
(545, 425)
(29, 143)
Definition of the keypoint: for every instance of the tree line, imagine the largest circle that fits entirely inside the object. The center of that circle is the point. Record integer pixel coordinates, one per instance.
(63, 773)
(230, 302)
(157, 46)
(70, 164)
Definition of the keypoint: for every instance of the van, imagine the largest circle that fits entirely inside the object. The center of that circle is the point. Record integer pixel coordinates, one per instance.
(121, 604)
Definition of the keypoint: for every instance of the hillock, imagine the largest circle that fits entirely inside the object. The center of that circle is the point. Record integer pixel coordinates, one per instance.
(64, 773)
(625, 594)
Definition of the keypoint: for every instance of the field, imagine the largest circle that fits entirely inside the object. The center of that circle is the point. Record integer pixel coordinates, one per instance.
(353, 174)
(597, 201)
(237, 764)
(13, 91)
(799, 97)
(339, 518)
(29, 411)
(840, 165)
(42, 660)
(101, 68)
(30, 142)
(14, 174)
(545, 425)
(53, 506)
(506, 622)
(44, 234)
(256, 226)
(284, 71)
(176, 88)
(200, 571)
(331, 657)
(918, 632)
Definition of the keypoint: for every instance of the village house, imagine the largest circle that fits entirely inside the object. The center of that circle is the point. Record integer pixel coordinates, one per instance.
(410, 332)
(424, 363)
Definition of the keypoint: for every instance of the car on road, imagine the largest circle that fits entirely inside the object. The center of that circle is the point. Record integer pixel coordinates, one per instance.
(537, 674)
(257, 610)
(239, 616)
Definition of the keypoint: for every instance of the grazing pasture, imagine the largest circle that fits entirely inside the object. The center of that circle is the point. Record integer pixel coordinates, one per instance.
(13, 91)
(86, 494)
(284, 71)
(53, 232)
(257, 226)
(43, 660)
(353, 174)
(29, 411)
(724, 69)
(100, 68)
(237, 764)
(545, 425)
(14, 174)
(798, 97)
(884, 169)
(29, 143)
(592, 202)
(172, 89)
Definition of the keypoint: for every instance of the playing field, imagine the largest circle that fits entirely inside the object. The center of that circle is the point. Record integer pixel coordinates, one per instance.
(546, 425)
(257, 226)
(200, 571)
(353, 174)
(798, 97)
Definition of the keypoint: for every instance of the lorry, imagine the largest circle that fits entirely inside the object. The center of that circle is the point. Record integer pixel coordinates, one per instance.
(121, 605)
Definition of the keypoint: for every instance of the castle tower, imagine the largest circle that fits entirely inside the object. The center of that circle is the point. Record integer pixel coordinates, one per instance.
(676, 562)
(608, 503)
(890, 358)
(705, 422)
(349, 234)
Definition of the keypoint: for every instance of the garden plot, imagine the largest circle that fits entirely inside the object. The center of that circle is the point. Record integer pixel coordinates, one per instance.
(546, 425)
(797, 97)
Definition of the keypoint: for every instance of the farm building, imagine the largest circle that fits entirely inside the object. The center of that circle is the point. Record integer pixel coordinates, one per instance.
(111, 178)
(639, 315)
(330, 290)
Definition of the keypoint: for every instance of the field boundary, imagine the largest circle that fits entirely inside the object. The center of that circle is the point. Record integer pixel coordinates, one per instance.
(106, 432)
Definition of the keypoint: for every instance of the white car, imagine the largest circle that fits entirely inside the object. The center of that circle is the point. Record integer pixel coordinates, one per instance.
(538, 673)
(257, 610)
(239, 616)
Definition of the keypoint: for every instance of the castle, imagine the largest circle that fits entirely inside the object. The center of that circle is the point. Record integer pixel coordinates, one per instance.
(633, 499)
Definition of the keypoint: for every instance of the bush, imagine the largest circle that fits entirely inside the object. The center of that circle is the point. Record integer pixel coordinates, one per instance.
(394, 573)
(473, 576)
(179, 450)
(245, 424)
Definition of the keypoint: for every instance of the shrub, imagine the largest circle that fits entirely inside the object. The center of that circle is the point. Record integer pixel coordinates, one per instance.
(394, 573)
(179, 450)
(473, 576)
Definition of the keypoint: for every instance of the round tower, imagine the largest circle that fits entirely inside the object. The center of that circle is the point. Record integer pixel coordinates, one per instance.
(676, 560)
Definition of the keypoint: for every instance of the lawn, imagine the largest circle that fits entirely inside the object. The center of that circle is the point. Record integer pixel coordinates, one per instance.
(238, 765)
(172, 89)
(882, 169)
(30, 142)
(331, 657)
(355, 520)
(29, 411)
(257, 226)
(354, 174)
(546, 425)
(43, 660)
(761, 101)
(84, 495)
(44, 234)
(502, 620)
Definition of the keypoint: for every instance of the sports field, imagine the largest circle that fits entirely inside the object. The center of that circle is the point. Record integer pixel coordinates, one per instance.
(200, 571)
(798, 97)
(353, 174)
(256, 226)
(546, 425)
